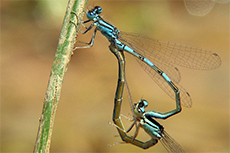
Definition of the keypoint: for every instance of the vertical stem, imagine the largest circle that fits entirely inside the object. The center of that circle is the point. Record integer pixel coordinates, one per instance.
(59, 68)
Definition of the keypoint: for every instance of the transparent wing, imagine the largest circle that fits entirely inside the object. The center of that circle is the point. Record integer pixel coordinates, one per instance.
(170, 144)
(171, 53)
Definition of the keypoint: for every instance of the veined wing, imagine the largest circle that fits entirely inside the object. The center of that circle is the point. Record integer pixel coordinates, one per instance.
(171, 53)
(170, 144)
(164, 55)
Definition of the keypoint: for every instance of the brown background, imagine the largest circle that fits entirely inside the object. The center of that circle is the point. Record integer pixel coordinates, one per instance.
(29, 35)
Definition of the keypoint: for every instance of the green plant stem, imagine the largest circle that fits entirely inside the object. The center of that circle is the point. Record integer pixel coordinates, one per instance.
(59, 68)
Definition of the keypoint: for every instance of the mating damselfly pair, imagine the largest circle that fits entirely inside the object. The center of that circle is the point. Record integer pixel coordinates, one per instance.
(157, 58)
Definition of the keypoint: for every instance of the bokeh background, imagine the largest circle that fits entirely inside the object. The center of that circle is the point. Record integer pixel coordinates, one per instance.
(29, 36)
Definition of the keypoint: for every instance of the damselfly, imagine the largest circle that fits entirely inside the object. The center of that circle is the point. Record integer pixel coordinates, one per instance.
(153, 128)
(148, 51)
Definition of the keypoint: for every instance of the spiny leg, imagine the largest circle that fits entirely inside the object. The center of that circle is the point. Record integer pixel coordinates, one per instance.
(82, 22)
(91, 42)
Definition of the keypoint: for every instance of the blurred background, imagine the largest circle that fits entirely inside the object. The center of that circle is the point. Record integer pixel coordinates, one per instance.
(29, 36)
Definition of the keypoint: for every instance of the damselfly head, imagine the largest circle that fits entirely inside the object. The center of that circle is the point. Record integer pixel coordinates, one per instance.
(98, 9)
(93, 13)
(143, 103)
